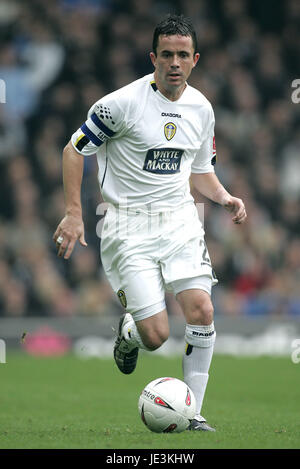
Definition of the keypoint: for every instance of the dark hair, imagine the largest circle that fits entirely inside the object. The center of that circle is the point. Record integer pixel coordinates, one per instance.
(172, 25)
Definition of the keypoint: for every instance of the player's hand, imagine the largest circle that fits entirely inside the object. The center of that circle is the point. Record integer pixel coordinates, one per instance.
(237, 207)
(69, 230)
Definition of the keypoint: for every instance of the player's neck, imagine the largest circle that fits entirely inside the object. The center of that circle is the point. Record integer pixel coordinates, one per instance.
(173, 94)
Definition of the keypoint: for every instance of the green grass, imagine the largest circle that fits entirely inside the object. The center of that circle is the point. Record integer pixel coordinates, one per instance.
(72, 403)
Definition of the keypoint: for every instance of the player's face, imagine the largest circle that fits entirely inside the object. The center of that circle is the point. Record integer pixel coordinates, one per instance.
(173, 62)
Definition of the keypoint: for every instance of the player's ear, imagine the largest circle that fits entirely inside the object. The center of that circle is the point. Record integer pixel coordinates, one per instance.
(153, 58)
(196, 58)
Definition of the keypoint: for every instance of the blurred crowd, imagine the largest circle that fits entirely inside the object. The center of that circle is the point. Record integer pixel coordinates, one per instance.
(58, 57)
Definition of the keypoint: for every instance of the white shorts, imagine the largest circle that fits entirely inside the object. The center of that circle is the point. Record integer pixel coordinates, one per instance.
(146, 254)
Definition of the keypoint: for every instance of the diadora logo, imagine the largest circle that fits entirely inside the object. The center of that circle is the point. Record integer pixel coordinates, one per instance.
(170, 130)
(203, 334)
(170, 114)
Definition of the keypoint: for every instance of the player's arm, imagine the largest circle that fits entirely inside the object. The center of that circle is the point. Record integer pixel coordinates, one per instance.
(105, 120)
(209, 185)
(204, 179)
(71, 228)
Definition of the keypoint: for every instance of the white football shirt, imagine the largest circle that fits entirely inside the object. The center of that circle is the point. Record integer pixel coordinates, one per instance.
(147, 146)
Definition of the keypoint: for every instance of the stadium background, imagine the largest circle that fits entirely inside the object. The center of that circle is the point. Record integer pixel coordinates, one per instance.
(59, 57)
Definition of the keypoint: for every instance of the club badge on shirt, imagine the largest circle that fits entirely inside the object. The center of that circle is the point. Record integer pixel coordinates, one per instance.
(170, 130)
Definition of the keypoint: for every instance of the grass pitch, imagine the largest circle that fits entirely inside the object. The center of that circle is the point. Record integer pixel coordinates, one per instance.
(71, 403)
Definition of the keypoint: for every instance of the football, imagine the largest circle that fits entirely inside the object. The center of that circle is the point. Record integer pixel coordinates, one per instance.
(167, 405)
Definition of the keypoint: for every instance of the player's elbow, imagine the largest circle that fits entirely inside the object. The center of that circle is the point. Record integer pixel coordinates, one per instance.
(69, 153)
(68, 147)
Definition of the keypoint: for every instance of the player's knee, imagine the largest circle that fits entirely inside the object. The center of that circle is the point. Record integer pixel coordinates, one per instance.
(200, 330)
(201, 312)
(154, 339)
(207, 313)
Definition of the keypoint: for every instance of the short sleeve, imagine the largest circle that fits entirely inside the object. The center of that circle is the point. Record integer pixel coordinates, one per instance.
(105, 121)
(206, 156)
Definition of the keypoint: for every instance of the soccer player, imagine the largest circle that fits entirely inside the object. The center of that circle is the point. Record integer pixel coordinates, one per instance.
(152, 137)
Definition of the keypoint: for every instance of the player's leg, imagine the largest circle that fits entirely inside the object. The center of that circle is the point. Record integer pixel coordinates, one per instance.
(200, 338)
(148, 333)
(187, 271)
(130, 264)
(135, 333)
(145, 324)
(153, 330)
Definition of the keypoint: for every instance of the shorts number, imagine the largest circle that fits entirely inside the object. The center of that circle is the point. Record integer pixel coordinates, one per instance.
(205, 255)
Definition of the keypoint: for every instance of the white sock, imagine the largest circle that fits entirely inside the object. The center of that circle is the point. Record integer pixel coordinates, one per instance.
(196, 361)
